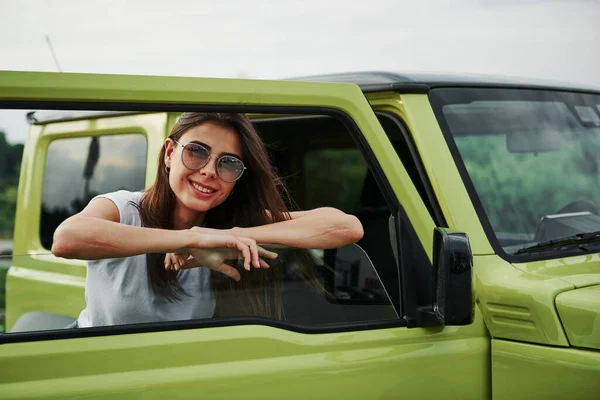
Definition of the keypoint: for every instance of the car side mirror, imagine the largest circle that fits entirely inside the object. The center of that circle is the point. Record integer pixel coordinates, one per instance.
(453, 278)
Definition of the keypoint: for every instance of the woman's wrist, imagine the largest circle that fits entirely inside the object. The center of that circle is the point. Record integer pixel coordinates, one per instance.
(195, 236)
(189, 238)
(235, 231)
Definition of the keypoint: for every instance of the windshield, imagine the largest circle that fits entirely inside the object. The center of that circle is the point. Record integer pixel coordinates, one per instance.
(532, 157)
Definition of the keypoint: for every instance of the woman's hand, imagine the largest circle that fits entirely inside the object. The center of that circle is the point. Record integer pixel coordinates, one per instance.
(215, 238)
(214, 248)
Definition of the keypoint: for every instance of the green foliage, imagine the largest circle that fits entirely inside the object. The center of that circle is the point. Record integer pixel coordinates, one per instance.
(518, 189)
(10, 162)
(334, 177)
(8, 204)
(4, 264)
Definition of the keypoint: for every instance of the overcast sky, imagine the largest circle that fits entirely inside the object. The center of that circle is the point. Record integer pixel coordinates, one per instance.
(548, 39)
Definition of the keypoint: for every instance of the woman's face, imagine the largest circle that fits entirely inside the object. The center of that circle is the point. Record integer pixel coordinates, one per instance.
(203, 189)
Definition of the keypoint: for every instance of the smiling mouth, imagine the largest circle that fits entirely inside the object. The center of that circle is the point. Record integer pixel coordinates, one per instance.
(201, 188)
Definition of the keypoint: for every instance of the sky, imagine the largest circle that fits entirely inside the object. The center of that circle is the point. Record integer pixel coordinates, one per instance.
(545, 39)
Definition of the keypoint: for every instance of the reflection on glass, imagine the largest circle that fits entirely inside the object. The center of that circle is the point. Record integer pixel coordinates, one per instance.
(355, 280)
(312, 288)
(77, 169)
(319, 287)
(334, 177)
(533, 159)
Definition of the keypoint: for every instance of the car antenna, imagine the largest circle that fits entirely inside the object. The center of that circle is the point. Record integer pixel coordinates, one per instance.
(52, 51)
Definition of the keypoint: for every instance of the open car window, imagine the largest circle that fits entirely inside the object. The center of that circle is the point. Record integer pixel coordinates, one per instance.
(313, 288)
(320, 164)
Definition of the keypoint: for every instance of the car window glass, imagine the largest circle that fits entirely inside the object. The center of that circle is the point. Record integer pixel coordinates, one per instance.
(530, 160)
(406, 150)
(334, 178)
(321, 166)
(78, 169)
(316, 287)
(324, 167)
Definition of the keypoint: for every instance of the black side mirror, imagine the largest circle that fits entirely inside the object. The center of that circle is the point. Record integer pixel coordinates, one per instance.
(453, 274)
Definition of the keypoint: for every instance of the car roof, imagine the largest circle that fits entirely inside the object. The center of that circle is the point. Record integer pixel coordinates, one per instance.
(368, 81)
(376, 81)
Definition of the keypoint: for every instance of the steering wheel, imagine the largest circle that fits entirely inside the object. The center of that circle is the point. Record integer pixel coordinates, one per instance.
(579, 206)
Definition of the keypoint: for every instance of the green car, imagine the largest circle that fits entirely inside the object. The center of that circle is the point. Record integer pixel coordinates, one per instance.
(478, 275)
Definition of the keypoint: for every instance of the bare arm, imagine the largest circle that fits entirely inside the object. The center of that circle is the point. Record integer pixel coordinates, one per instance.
(321, 228)
(96, 233)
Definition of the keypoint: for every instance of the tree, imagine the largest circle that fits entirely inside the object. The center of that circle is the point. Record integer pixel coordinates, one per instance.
(10, 163)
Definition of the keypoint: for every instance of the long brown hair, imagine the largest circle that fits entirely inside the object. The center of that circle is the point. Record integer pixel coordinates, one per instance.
(256, 200)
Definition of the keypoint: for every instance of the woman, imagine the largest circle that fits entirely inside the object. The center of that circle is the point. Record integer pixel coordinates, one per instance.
(193, 210)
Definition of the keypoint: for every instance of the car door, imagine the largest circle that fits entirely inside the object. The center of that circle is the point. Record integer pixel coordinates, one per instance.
(350, 340)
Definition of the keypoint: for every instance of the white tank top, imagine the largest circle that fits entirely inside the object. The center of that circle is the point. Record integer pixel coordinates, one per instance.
(118, 291)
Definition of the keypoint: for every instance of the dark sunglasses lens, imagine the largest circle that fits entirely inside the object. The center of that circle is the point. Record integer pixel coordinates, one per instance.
(230, 168)
(195, 156)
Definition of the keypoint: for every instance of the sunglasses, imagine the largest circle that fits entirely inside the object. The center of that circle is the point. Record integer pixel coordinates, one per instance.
(195, 156)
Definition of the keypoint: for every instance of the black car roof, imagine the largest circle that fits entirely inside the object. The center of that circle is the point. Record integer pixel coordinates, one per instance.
(376, 81)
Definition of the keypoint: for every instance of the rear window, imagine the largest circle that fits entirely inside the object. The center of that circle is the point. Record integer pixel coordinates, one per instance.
(78, 169)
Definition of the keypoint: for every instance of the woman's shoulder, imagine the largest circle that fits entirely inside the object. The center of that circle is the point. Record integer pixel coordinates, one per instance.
(123, 196)
(128, 204)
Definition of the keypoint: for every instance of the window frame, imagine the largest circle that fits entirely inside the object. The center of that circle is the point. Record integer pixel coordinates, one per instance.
(305, 149)
(430, 200)
(359, 140)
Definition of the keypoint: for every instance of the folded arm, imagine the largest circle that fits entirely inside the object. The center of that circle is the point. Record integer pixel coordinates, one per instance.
(321, 228)
(96, 233)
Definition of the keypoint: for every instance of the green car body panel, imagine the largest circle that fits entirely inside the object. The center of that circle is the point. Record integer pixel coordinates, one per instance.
(580, 314)
(536, 324)
(527, 371)
(251, 361)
